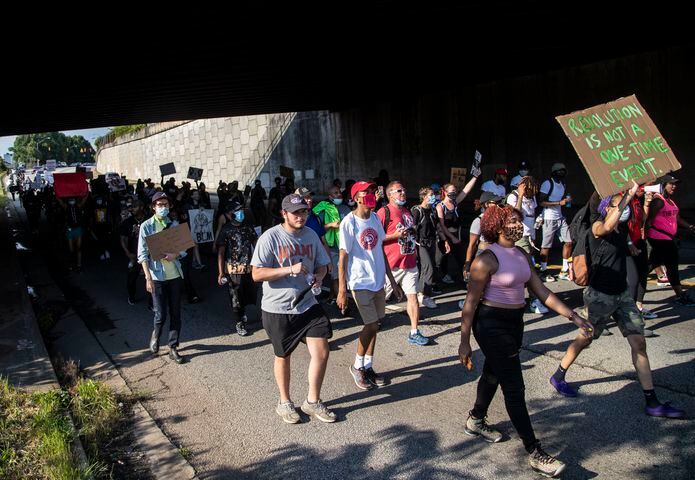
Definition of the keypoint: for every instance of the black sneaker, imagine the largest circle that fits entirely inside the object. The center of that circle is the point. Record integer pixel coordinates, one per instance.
(175, 356)
(373, 377)
(241, 328)
(154, 343)
(194, 299)
(359, 377)
(436, 290)
(131, 301)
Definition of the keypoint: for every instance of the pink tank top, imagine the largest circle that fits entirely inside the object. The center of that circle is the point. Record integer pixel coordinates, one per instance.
(507, 284)
(666, 220)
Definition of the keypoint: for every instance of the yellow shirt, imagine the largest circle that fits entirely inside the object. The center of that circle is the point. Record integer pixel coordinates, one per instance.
(170, 271)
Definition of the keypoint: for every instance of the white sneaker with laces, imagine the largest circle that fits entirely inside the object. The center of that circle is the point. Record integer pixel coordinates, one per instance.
(538, 307)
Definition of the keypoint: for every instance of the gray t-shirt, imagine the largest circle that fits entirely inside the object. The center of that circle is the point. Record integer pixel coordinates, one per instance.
(277, 248)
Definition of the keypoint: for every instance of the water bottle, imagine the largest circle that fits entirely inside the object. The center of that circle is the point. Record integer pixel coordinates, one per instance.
(315, 289)
(569, 201)
(224, 280)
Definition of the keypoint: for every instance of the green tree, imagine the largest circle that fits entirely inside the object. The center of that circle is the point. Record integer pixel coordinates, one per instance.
(36, 148)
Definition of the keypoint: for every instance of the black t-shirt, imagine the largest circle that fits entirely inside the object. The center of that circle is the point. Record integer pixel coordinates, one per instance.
(425, 224)
(238, 241)
(130, 228)
(609, 263)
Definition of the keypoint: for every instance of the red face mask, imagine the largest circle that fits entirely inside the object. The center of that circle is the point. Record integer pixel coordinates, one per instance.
(369, 200)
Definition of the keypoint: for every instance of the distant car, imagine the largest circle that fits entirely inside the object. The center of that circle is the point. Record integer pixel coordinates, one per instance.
(62, 164)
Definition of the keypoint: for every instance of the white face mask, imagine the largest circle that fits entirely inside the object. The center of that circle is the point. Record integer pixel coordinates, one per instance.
(625, 215)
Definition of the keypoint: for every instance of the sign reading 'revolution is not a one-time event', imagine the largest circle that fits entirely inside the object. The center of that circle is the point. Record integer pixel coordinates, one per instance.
(617, 142)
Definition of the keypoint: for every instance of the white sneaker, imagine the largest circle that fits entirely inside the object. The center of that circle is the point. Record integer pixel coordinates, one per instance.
(538, 307)
(107, 254)
(461, 304)
(102, 257)
(428, 302)
(447, 279)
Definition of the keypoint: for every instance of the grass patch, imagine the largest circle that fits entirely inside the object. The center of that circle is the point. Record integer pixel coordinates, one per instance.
(97, 413)
(36, 436)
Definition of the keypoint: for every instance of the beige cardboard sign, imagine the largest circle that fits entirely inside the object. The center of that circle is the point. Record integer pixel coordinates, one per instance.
(458, 177)
(617, 142)
(172, 240)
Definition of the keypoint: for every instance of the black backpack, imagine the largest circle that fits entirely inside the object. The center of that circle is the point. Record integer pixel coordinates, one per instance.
(582, 261)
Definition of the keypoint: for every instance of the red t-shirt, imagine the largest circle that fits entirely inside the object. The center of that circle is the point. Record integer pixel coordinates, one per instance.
(400, 253)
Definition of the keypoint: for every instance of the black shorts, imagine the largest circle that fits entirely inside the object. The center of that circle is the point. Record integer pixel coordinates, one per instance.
(286, 331)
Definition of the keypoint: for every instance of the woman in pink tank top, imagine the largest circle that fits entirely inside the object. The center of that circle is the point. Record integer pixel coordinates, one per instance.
(494, 310)
(661, 226)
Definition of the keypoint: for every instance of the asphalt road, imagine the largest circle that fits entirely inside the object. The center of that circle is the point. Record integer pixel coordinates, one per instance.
(220, 405)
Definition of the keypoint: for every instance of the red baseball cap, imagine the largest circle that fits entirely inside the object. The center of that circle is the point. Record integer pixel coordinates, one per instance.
(501, 171)
(360, 187)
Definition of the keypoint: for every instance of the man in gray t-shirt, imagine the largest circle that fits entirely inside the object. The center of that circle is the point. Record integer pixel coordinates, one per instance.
(289, 259)
(279, 248)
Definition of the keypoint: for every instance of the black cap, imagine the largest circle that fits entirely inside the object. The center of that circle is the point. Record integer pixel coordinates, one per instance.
(668, 178)
(293, 202)
(524, 165)
(490, 197)
(159, 196)
(233, 206)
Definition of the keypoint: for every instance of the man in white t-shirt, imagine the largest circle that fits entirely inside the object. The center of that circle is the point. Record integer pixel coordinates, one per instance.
(363, 268)
(553, 196)
(498, 184)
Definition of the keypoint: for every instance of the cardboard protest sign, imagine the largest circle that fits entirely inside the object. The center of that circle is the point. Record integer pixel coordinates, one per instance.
(458, 177)
(167, 169)
(195, 173)
(201, 223)
(69, 185)
(116, 184)
(617, 142)
(172, 240)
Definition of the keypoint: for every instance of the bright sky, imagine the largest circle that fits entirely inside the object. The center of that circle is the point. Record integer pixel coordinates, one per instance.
(90, 134)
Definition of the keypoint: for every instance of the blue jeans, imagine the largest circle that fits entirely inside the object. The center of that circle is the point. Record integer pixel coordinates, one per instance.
(167, 299)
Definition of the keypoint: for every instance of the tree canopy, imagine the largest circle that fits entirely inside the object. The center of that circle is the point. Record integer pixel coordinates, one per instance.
(36, 148)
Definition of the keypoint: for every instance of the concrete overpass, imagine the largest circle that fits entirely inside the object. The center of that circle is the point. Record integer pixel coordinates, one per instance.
(411, 88)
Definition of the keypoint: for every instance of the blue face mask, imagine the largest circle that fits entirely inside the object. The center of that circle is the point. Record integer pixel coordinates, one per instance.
(432, 200)
(400, 203)
(161, 211)
(337, 201)
(239, 216)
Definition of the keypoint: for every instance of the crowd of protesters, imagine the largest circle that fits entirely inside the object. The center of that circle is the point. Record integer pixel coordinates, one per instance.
(367, 243)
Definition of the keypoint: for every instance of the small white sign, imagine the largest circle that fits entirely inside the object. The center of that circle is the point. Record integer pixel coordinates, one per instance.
(201, 225)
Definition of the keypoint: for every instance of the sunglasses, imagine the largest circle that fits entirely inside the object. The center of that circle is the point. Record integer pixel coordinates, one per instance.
(400, 190)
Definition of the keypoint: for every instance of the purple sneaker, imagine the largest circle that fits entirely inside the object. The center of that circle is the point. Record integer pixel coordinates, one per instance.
(563, 388)
(664, 410)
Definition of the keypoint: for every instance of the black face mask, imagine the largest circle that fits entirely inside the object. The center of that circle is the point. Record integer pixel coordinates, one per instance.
(452, 195)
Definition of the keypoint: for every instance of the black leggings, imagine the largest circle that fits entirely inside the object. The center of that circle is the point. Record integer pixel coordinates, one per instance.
(458, 251)
(665, 252)
(637, 271)
(499, 332)
(242, 292)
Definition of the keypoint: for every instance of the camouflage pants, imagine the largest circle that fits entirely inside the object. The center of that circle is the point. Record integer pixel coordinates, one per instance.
(600, 307)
